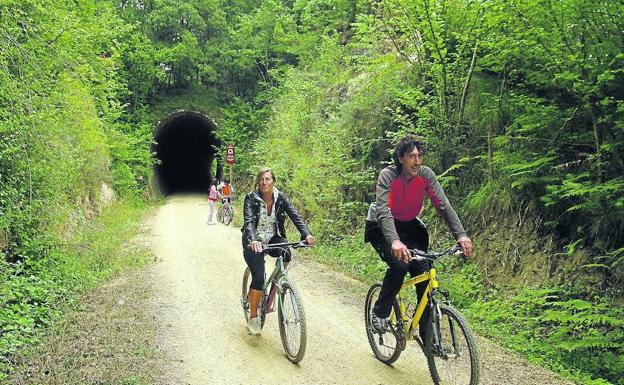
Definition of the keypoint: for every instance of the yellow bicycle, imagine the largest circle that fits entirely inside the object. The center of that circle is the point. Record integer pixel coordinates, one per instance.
(449, 344)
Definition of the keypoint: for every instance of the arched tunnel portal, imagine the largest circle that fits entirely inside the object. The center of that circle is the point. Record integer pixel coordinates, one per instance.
(186, 147)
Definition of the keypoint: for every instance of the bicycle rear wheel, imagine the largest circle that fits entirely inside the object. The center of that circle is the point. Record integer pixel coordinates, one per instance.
(292, 322)
(245, 301)
(388, 346)
(228, 214)
(451, 349)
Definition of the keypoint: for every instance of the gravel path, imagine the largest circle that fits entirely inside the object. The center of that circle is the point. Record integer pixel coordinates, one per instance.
(196, 302)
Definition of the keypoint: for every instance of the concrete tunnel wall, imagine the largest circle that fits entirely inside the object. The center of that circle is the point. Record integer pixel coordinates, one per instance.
(185, 148)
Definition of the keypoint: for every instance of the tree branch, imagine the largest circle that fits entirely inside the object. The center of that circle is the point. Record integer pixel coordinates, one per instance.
(462, 101)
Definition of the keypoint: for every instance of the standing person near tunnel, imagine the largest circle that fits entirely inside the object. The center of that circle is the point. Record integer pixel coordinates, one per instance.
(264, 212)
(212, 198)
(225, 190)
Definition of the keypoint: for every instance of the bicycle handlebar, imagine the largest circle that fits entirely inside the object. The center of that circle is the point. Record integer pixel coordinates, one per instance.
(420, 255)
(294, 245)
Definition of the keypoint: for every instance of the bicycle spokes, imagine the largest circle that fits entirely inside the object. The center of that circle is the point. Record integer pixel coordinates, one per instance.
(387, 346)
(451, 350)
(292, 322)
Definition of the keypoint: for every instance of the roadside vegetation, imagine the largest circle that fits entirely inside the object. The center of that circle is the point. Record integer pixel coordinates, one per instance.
(520, 103)
(91, 323)
(72, 169)
(37, 294)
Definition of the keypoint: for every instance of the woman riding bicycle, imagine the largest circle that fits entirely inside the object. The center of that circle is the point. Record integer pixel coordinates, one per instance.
(264, 212)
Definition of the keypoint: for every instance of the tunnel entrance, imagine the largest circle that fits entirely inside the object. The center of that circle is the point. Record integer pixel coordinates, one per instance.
(186, 148)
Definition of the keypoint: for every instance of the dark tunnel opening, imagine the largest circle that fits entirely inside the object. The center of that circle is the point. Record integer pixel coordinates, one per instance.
(186, 148)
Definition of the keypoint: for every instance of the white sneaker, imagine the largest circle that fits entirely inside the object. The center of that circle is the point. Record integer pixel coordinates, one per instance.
(254, 326)
(211, 223)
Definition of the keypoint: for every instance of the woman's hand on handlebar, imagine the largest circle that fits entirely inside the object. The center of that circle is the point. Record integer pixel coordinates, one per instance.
(256, 247)
(310, 240)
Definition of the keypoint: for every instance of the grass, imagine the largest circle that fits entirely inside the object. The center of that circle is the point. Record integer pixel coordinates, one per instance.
(48, 286)
(108, 339)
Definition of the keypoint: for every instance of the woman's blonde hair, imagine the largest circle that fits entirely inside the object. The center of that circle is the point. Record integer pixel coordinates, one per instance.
(262, 171)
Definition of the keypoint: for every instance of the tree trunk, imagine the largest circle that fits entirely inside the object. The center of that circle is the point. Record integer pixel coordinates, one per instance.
(597, 142)
(464, 96)
(490, 156)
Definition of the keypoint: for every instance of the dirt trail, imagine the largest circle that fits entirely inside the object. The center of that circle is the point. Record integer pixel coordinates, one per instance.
(196, 301)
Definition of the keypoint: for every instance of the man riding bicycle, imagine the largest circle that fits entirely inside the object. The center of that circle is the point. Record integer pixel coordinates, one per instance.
(393, 226)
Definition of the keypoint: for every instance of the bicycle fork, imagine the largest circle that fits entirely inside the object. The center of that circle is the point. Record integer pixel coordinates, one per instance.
(440, 345)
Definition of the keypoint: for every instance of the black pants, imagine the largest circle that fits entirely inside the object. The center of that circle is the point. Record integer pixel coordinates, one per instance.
(255, 261)
(414, 235)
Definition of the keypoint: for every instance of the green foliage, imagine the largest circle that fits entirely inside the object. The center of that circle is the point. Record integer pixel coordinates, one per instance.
(520, 103)
(352, 256)
(552, 327)
(35, 291)
(60, 137)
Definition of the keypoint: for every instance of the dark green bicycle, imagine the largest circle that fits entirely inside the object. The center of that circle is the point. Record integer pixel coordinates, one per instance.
(290, 313)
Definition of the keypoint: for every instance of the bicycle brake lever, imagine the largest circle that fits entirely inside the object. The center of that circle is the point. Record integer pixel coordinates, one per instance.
(417, 255)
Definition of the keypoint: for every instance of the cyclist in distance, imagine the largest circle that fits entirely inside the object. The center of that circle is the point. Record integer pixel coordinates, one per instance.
(264, 212)
(393, 226)
(225, 190)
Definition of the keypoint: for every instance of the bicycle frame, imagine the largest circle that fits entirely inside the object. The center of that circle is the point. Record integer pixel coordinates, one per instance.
(277, 277)
(430, 275)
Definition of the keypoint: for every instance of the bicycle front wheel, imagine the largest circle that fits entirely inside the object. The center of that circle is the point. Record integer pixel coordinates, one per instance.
(292, 322)
(451, 349)
(388, 346)
(220, 214)
(228, 214)
(245, 301)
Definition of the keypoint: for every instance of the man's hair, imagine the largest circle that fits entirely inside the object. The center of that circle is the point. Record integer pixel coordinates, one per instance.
(227, 180)
(262, 171)
(405, 145)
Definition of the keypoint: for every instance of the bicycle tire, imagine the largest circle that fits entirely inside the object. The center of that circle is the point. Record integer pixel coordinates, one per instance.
(228, 215)
(220, 214)
(455, 360)
(245, 302)
(382, 346)
(294, 343)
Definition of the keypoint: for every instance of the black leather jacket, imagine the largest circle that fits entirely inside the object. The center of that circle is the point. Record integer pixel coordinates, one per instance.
(282, 206)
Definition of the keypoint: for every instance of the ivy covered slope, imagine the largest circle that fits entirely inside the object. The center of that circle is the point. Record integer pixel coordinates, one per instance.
(521, 105)
(63, 147)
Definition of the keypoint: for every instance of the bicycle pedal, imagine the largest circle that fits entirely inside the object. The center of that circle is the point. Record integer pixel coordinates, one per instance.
(400, 336)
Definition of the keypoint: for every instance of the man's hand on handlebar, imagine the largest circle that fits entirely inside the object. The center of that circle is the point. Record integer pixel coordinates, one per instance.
(466, 245)
(400, 251)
